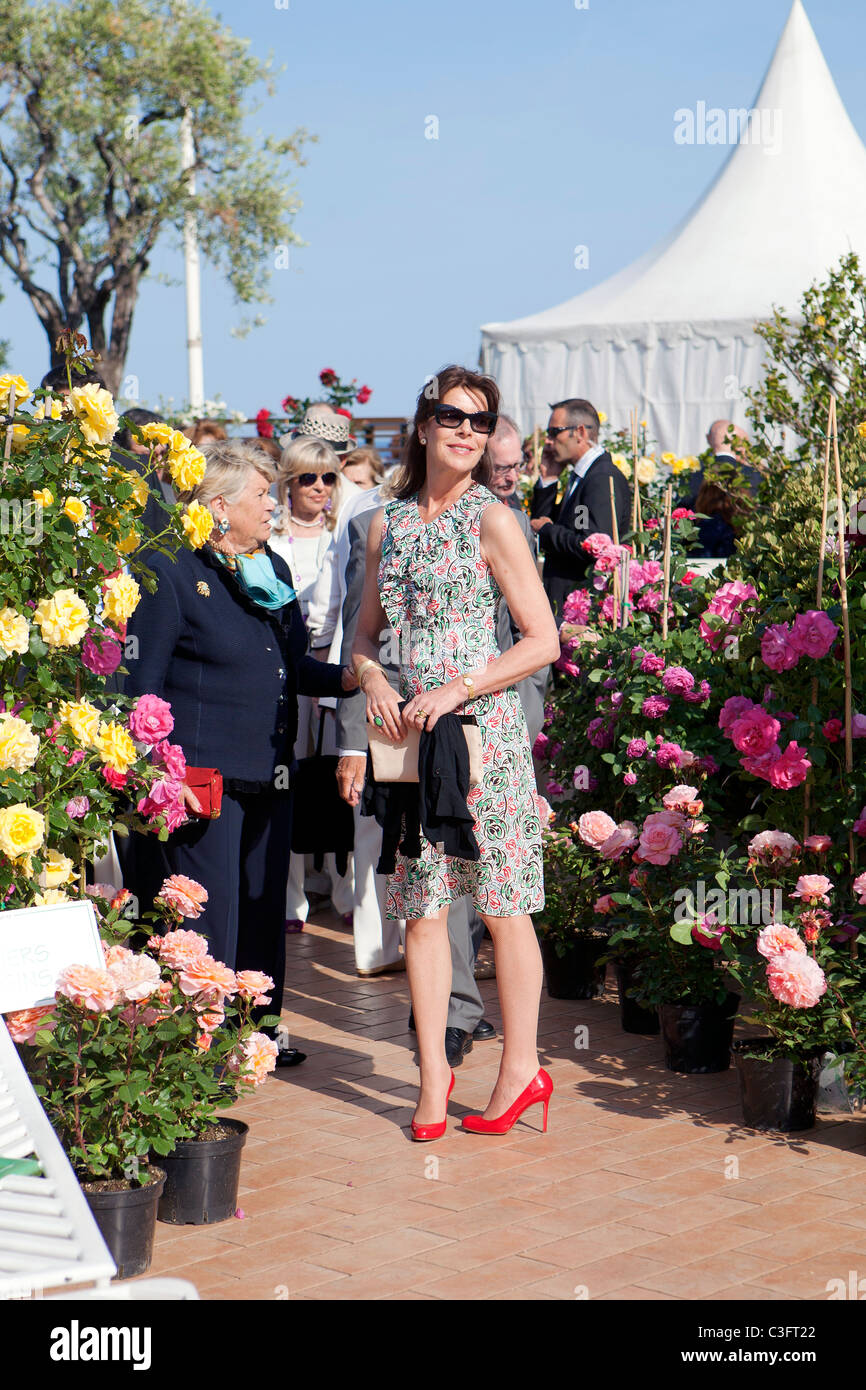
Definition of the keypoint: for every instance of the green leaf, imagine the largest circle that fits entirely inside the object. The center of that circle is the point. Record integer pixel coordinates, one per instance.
(682, 932)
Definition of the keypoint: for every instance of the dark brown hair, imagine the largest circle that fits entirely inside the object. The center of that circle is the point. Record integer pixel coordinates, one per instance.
(414, 460)
(712, 500)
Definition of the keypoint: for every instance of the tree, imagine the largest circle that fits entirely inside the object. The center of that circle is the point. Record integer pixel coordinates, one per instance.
(92, 96)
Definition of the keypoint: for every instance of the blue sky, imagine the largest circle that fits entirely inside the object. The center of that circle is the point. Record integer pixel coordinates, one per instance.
(555, 129)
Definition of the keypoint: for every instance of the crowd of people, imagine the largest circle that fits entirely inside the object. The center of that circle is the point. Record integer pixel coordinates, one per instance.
(339, 601)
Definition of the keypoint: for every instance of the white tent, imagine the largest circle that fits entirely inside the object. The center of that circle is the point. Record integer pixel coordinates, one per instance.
(674, 332)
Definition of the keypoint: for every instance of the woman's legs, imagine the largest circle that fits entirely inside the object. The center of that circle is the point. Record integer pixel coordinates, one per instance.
(518, 980)
(428, 965)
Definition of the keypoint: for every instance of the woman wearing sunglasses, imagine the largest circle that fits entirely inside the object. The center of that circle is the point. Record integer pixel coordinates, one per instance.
(439, 558)
(308, 490)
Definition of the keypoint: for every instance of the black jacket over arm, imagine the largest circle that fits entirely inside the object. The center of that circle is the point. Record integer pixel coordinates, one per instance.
(586, 510)
(230, 670)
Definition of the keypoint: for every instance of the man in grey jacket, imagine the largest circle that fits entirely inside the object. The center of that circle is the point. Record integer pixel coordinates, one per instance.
(377, 937)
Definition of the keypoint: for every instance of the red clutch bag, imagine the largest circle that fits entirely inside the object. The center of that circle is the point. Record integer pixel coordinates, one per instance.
(206, 784)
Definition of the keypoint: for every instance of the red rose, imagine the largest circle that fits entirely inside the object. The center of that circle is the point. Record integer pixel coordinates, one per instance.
(364, 395)
(327, 376)
(338, 410)
(263, 426)
(289, 405)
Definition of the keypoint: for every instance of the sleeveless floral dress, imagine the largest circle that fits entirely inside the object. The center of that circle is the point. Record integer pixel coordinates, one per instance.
(440, 599)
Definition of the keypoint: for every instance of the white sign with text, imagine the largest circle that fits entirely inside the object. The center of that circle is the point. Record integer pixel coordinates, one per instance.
(36, 943)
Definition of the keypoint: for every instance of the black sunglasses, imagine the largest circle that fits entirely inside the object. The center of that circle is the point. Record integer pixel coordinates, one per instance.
(307, 479)
(480, 421)
(554, 430)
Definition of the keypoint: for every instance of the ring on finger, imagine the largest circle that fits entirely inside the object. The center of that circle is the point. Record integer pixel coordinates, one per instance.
(378, 721)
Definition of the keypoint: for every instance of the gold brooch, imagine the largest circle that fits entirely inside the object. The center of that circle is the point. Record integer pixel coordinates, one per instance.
(203, 588)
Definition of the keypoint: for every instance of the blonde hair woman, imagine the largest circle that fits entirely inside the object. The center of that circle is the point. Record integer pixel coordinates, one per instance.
(222, 640)
(307, 490)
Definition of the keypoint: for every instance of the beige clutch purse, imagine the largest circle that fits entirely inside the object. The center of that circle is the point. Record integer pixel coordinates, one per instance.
(398, 762)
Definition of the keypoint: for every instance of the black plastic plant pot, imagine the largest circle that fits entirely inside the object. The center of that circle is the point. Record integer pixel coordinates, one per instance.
(634, 1018)
(576, 975)
(697, 1037)
(776, 1093)
(202, 1178)
(127, 1221)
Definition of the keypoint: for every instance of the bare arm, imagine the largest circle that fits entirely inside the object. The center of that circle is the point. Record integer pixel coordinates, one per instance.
(382, 702)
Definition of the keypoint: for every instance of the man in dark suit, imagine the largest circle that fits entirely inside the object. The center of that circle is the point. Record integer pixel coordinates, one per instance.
(563, 523)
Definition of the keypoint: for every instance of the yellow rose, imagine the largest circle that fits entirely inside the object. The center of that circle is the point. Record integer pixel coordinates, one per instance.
(43, 496)
(50, 408)
(187, 468)
(115, 747)
(602, 418)
(197, 523)
(19, 436)
(861, 429)
(158, 433)
(22, 390)
(62, 619)
(94, 409)
(680, 466)
(646, 470)
(75, 509)
(19, 746)
(820, 321)
(22, 831)
(121, 598)
(140, 490)
(643, 424)
(49, 898)
(57, 871)
(621, 462)
(82, 719)
(14, 632)
(668, 459)
(129, 543)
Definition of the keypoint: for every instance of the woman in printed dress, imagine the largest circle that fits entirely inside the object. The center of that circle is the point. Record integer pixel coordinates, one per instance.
(440, 556)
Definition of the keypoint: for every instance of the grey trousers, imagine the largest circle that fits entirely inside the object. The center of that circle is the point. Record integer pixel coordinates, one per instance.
(465, 930)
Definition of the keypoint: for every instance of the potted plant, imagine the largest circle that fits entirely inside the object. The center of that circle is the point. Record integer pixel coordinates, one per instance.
(572, 930)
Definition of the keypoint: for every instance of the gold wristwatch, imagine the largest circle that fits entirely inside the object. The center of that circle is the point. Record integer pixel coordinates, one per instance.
(470, 686)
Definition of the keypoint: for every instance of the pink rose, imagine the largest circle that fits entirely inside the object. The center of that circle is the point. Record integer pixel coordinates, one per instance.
(654, 706)
(606, 904)
(708, 932)
(790, 769)
(755, 732)
(629, 778)
(813, 888)
(89, 988)
(677, 680)
(859, 886)
(623, 838)
(650, 601)
(833, 730)
(813, 633)
(151, 719)
(77, 807)
(178, 949)
(136, 976)
(101, 652)
(777, 649)
(731, 711)
(24, 1024)
(171, 757)
(776, 938)
(545, 812)
(733, 595)
(818, 844)
(596, 543)
(599, 733)
(594, 827)
(207, 978)
(859, 826)
(858, 725)
(568, 667)
(652, 664)
(577, 606)
(796, 979)
(164, 799)
(553, 788)
(659, 843)
(540, 746)
(684, 799)
(636, 748)
(771, 846)
(763, 764)
(252, 984)
(669, 755)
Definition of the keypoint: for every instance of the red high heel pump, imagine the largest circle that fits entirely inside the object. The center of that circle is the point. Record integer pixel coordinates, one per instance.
(538, 1092)
(423, 1133)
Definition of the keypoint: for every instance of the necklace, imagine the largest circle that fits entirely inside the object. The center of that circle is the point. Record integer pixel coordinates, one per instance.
(297, 521)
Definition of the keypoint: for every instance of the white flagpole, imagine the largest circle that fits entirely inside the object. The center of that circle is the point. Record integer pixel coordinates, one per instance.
(195, 363)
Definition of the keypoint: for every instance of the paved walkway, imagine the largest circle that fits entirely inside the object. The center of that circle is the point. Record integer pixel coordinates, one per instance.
(646, 1186)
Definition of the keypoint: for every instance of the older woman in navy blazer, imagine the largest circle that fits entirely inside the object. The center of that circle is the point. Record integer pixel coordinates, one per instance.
(223, 641)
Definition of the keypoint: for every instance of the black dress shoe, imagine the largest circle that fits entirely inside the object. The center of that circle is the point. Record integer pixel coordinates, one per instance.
(457, 1043)
(290, 1057)
(483, 1030)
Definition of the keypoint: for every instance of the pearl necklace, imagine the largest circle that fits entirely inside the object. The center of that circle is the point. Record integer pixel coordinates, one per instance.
(297, 521)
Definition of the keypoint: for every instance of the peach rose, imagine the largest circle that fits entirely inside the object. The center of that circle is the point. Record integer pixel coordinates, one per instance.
(772, 845)
(254, 1059)
(211, 1019)
(178, 949)
(24, 1024)
(208, 978)
(136, 976)
(183, 894)
(594, 827)
(776, 938)
(252, 984)
(813, 888)
(89, 988)
(685, 799)
(796, 979)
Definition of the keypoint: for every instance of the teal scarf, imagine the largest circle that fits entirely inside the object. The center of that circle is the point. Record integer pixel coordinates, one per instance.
(256, 577)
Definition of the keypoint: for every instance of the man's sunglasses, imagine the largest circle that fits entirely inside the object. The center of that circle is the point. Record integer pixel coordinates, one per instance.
(554, 430)
(307, 479)
(480, 421)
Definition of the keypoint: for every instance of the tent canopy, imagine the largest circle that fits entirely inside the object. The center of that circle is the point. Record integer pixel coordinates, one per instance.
(673, 333)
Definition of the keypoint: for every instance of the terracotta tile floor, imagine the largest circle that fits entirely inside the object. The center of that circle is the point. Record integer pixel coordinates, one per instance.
(645, 1187)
